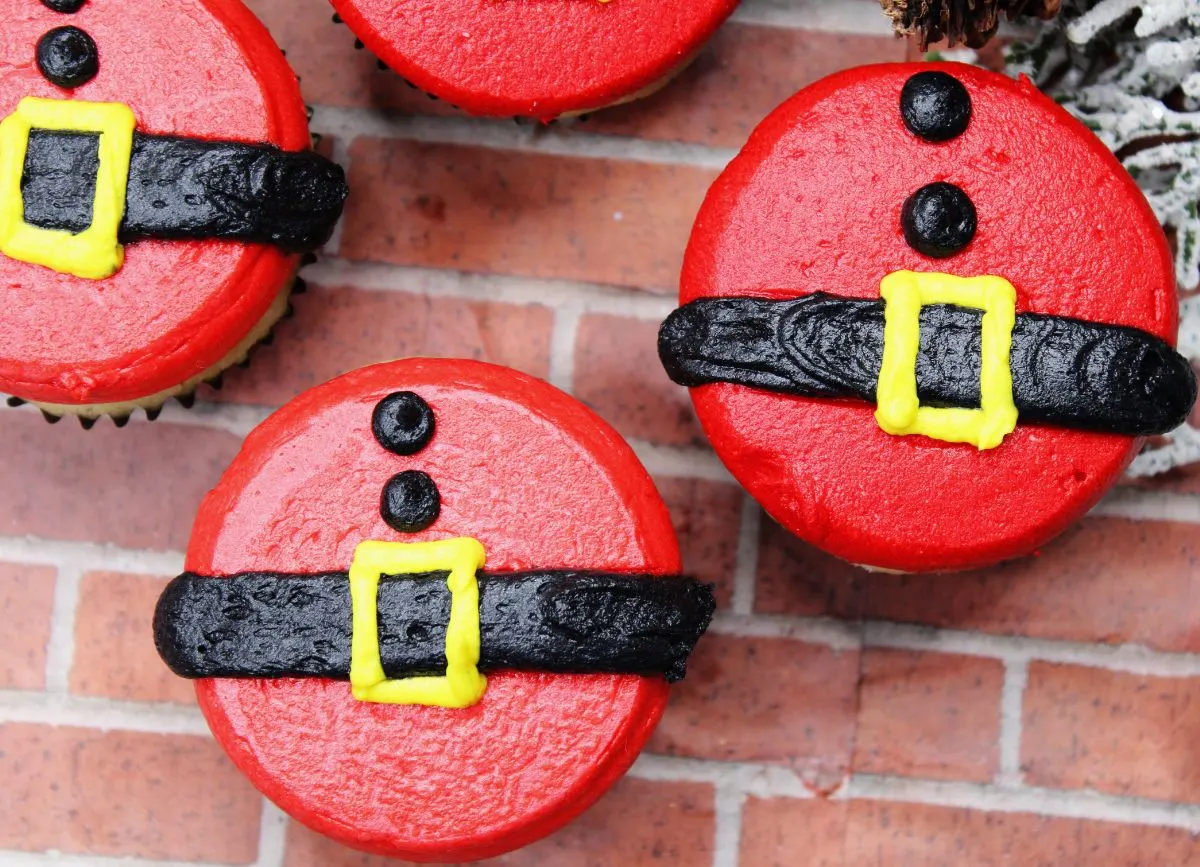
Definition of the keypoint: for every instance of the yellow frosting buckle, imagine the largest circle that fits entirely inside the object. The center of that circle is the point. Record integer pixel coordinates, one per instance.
(94, 253)
(462, 685)
(898, 409)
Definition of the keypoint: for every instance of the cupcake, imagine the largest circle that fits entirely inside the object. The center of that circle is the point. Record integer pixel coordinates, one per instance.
(157, 192)
(434, 609)
(927, 318)
(540, 59)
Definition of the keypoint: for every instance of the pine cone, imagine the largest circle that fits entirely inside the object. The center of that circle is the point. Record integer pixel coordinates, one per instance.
(973, 22)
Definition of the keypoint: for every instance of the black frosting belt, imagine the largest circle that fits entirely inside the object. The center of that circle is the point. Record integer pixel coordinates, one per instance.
(182, 189)
(1065, 372)
(276, 625)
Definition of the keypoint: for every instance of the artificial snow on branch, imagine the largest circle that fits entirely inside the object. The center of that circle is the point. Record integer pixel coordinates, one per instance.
(1130, 70)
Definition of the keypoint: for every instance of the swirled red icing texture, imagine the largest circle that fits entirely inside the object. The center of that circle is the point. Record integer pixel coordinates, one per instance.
(536, 59)
(813, 203)
(197, 68)
(541, 482)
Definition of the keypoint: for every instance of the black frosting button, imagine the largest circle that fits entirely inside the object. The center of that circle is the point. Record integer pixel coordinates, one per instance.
(410, 501)
(68, 57)
(938, 220)
(66, 7)
(403, 423)
(935, 106)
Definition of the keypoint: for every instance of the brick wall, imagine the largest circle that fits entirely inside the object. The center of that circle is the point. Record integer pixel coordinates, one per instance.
(1041, 713)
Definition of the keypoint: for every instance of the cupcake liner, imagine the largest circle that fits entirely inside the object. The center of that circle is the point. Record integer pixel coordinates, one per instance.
(260, 332)
(186, 399)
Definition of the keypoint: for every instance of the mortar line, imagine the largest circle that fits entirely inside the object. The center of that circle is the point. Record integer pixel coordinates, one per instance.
(859, 17)
(232, 418)
(1130, 658)
(729, 805)
(844, 634)
(563, 337)
(512, 289)
(745, 573)
(63, 859)
(1145, 505)
(272, 836)
(104, 714)
(353, 122)
(1012, 700)
(764, 780)
(860, 673)
(749, 778)
(1058, 803)
(88, 556)
(680, 462)
(60, 646)
(341, 156)
(834, 634)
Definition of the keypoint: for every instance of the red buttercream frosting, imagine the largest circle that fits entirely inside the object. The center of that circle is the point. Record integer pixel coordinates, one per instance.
(542, 482)
(198, 68)
(534, 58)
(813, 203)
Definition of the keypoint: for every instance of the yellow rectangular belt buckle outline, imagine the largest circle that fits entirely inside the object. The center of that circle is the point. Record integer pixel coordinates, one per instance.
(898, 409)
(94, 253)
(462, 685)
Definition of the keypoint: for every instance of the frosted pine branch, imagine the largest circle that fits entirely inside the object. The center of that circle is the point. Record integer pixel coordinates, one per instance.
(1130, 70)
(1134, 83)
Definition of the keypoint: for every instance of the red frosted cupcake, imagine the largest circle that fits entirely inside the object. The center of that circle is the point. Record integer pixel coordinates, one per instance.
(927, 318)
(539, 59)
(490, 567)
(157, 190)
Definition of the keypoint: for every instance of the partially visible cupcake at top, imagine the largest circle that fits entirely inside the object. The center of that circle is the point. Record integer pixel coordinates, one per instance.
(540, 60)
(157, 193)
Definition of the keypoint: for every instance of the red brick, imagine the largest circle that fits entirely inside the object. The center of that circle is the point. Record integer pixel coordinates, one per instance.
(636, 823)
(915, 835)
(930, 715)
(618, 374)
(795, 578)
(338, 329)
(307, 848)
(124, 794)
(528, 214)
(27, 600)
(789, 832)
(1107, 580)
(136, 488)
(114, 642)
(1114, 732)
(744, 75)
(765, 700)
(707, 518)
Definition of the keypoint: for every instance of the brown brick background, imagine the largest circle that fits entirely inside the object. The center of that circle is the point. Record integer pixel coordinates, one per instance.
(1045, 712)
